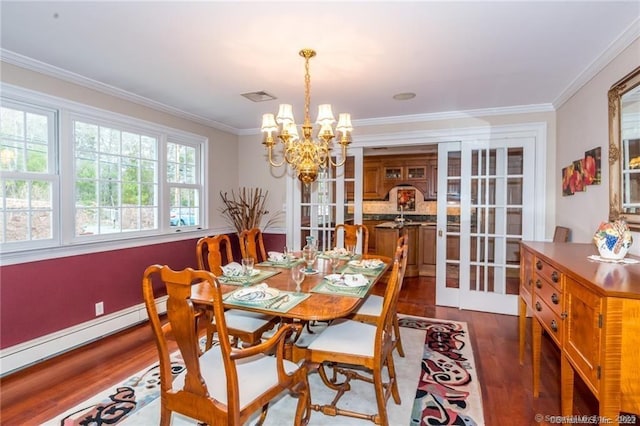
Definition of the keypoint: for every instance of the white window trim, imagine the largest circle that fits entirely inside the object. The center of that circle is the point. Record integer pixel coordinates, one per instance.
(50, 175)
(69, 245)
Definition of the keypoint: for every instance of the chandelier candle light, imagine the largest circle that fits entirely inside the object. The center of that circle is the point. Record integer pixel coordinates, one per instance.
(307, 156)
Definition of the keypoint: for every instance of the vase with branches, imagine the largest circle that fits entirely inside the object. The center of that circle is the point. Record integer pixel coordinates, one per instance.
(246, 208)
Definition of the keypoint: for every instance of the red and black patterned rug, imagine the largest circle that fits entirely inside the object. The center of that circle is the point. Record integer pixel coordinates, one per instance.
(447, 391)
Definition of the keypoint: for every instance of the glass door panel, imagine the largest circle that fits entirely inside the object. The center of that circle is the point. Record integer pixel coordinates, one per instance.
(478, 248)
(335, 197)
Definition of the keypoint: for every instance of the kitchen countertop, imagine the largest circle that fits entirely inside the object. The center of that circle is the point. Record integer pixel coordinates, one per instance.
(395, 225)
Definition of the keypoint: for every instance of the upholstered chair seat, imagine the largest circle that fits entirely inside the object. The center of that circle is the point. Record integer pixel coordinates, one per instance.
(256, 374)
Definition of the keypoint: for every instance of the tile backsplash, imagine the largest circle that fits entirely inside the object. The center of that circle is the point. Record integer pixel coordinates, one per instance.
(391, 206)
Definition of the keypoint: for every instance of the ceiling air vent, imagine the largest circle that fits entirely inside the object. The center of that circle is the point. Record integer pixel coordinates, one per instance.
(260, 96)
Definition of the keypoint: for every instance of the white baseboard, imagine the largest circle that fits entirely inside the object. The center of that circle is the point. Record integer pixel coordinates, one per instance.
(28, 353)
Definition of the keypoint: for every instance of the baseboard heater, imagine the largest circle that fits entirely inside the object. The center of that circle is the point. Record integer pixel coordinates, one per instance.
(34, 351)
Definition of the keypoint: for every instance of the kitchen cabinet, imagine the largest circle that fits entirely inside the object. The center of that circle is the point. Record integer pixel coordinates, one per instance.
(372, 187)
(382, 173)
(387, 239)
(591, 310)
(427, 252)
(371, 227)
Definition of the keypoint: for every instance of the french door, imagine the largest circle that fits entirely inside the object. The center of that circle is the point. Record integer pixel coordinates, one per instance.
(485, 193)
(335, 197)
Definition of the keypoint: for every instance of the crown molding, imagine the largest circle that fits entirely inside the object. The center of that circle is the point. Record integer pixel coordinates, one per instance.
(625, 39)
(436, 116)
(62, 74)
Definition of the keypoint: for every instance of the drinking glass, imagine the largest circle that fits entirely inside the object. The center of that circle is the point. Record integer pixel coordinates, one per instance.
(335, 261)
(288, 253)
(247, 266)
(297, 275)
(351, 249)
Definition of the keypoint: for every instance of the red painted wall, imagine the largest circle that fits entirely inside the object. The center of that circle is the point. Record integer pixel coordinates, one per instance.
(40, 298)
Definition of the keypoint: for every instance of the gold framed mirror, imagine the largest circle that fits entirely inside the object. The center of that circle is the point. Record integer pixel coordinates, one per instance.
(624, 150)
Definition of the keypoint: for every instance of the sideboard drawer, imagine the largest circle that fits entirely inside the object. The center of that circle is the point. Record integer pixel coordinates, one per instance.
(550, 294)
(548, 272)
(549, 319)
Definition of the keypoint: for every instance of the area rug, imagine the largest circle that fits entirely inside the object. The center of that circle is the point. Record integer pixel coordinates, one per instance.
(448, 391)
(436, 380)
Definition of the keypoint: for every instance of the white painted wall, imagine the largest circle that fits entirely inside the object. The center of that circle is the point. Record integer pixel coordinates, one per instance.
(582, 124)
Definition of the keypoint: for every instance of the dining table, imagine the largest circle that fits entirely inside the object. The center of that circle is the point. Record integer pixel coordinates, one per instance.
(318, 299)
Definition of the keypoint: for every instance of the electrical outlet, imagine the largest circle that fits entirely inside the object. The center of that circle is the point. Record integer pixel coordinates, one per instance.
(99, 308)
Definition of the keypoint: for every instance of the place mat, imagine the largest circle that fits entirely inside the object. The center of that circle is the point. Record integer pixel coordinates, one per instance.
(242, 280)
(626, 260)
(326, 288)
(283, 303)
(285, 265)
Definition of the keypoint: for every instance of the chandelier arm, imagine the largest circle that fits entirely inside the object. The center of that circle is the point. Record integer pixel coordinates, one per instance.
(273, 163)
(344, 158)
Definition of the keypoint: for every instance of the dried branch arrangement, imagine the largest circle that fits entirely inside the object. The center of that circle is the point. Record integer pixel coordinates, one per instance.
(245, 209)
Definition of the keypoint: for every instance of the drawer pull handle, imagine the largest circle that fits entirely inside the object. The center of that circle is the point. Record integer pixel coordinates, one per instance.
(538, 306)
(538, 265)
(530, 282)
(564, 315)
(555, 299)
(538, 283)
(554, 325)
(554, 276)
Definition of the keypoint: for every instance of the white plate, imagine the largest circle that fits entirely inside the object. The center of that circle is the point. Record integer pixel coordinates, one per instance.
(367, 263)
(255, 294)
(346, 280)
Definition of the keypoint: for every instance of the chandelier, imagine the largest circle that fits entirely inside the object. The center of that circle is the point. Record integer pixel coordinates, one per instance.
(306, 156)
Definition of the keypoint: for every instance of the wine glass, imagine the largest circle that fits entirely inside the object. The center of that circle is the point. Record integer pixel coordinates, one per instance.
(297, 275)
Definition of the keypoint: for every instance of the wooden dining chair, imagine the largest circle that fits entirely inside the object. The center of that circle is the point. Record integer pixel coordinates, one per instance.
(350, 236)
(223, 385)
(371, 308)
(246, 327)
(252, 245)
(359, 351)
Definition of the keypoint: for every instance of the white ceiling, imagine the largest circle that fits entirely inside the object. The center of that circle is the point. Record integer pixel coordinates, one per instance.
(197, 58)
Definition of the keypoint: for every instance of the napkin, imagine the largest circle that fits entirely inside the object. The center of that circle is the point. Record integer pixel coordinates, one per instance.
(233, 269)
(276, 256)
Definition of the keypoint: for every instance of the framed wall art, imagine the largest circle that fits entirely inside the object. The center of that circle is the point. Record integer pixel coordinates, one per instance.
(591, 169)
(406, 200)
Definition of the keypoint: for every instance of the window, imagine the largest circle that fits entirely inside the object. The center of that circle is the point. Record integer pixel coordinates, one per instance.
(116, 179)
(72, 174)
(182, 180)
(29, 180)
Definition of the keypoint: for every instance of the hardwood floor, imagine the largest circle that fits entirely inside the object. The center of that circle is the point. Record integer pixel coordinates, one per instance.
(36, 394)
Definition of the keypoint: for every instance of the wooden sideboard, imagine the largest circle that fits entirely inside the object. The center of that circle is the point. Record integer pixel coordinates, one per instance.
(591, 310)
